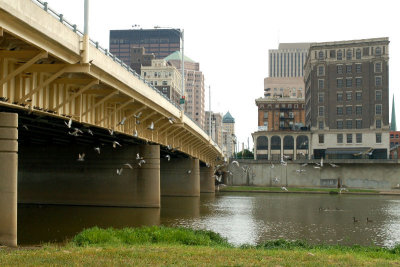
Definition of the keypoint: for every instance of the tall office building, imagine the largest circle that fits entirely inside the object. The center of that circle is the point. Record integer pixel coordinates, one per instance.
(216, 126)
(228, 135)
(160, 42)
(347, 98)
(286, 71)
(194, 87)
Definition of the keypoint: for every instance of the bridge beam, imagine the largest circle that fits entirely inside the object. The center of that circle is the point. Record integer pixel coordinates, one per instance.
(8, 178)
(180, 177)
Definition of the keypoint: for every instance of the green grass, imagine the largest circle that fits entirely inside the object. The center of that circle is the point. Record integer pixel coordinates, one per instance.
(291, 189)
(163, 246)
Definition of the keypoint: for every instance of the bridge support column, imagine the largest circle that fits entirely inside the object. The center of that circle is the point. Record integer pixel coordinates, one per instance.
(8, 178)
(180, 177)
(207, 180)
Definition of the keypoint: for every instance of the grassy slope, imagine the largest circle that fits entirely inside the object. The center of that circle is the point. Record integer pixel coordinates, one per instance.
(161, 246)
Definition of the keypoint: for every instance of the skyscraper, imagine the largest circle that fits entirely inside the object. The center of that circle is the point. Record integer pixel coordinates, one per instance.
(160, 42)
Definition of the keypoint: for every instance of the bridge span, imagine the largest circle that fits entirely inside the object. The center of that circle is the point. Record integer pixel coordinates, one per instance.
(86, 132)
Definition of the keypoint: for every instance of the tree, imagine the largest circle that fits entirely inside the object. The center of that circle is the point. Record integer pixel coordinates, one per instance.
(246, 154)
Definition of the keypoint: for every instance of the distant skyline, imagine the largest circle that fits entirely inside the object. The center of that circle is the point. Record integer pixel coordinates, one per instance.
(231, 39)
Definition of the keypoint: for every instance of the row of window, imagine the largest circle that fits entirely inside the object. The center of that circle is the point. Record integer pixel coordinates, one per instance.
(340, 68)
(377, 51)
(349, 138)
(349, 82)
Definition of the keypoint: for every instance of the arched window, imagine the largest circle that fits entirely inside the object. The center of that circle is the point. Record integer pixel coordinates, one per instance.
(302, 142)
(349, 54)
(275, 143)
(321, 55)
(378, 51)
(262, 143)
(358, 53)
(339, 55)
(288, 142)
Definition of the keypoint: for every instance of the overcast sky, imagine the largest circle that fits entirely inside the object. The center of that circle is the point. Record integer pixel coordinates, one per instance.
(230, 39)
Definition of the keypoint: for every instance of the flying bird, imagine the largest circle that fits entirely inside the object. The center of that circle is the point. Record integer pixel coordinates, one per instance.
(25, 127)
(151, 126)
(69, 124)
(304, 164)
(128, 165)
(283, 163)
(171, 120)
(97, 149)
(189, 171)
(272, 166)
(137, 116)
(334, 165)
(284, 188)
(122, 121)
(286, 157)
(142, 161)
(90, 132)
(138, 156)
(119, 171)
(115, 144)
(135, 134)
(111, 131)
(322, 162)
(81, 157)
(275, 180)
(168, 157)
(235, 163)
(300, 170)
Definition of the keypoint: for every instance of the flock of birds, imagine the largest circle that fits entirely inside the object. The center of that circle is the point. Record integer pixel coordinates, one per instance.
(74, 131)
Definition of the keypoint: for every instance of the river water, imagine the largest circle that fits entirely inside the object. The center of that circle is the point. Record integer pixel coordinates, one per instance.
(243, 218)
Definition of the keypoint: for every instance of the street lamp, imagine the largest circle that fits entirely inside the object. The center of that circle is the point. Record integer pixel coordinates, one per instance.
(180, 33)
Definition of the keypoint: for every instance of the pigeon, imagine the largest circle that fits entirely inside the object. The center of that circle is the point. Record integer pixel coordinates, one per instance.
(138, 156)
(115, 144)
(151, 126)
(235, 163)
(122, 121)
(111, 131)
(128, 165)
(69, 124)
(81, 157)
(142, 161)
(75, 132)
(90, 132)
(322, 162)
(25, 127)
(169, 147)
(137, 122)
(284, 188)
(300, 170)
(304, 164)
(189, 171)
(119, 171)
(334, 165)
(168, 157)
(97, 149)
(317, 167)
(207, 165)
(135, 134)
(275, 180)
(137, 116)
(283, 163)
(171, 120)
(286, 157)
(272, 166)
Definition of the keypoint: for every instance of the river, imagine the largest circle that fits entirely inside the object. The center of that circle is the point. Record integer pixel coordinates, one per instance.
(243, 218)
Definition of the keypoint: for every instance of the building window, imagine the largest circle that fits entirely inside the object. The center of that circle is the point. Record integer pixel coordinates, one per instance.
(378, 67)
(349, 138)
(320, 84)
(358, 138)
(378, 95)
(349, 82)
(378, 51)
(348, 68)
(164, 83)
(366, 51)
(339, 55)
(378, 109)
(358, 124)
(339, 83)
(265, 115)
(332, 53)
(358, 53)
(358, 96)
(321, 97)
(321, 125)
(339, 110)
(349, 124)
(339, 97)
(339, 138)
(358, 68)
(321, 55)
(339, 124)
(358, 110)
(378, 80)
(321, 138)
(358, 82)
(321, 70)
(349, 54)
(339, 69)
(378, 138)
(349, 110)
(321, 111)
(348, 96)
(378, 124)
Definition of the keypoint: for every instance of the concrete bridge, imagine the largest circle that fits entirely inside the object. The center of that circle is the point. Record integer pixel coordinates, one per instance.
(78, 126)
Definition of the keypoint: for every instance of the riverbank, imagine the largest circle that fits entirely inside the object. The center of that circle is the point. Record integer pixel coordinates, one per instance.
(161, 246)
(260, 189)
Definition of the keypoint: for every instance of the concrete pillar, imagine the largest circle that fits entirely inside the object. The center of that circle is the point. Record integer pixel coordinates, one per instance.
(8, 178)
(269, 147)
(294, 148)
(207, 180)
(180, 177)
(281, 155)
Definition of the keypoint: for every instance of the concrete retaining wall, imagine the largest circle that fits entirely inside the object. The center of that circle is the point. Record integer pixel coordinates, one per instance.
(382, 175)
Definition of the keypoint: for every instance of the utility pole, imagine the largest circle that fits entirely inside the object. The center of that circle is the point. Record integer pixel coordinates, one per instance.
(209, 107)
(85, 53)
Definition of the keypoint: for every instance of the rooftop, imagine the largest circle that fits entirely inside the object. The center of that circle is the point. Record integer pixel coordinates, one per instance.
(228, 118)
(178, 56)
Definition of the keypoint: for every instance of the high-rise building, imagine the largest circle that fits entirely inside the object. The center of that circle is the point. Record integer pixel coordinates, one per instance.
(347, 98)
(216, 126)
(140, 58)
(286, 71)
(228, 135)
(160, 42)
(194, 87)
(165, 77)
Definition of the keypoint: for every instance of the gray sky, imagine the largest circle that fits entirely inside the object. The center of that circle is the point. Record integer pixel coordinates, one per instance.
(230, 39)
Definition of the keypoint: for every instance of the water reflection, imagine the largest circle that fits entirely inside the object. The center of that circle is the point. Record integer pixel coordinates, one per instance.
(242, 218)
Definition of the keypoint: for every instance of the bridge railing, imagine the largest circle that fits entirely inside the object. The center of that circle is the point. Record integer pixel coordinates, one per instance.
(73, 27)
